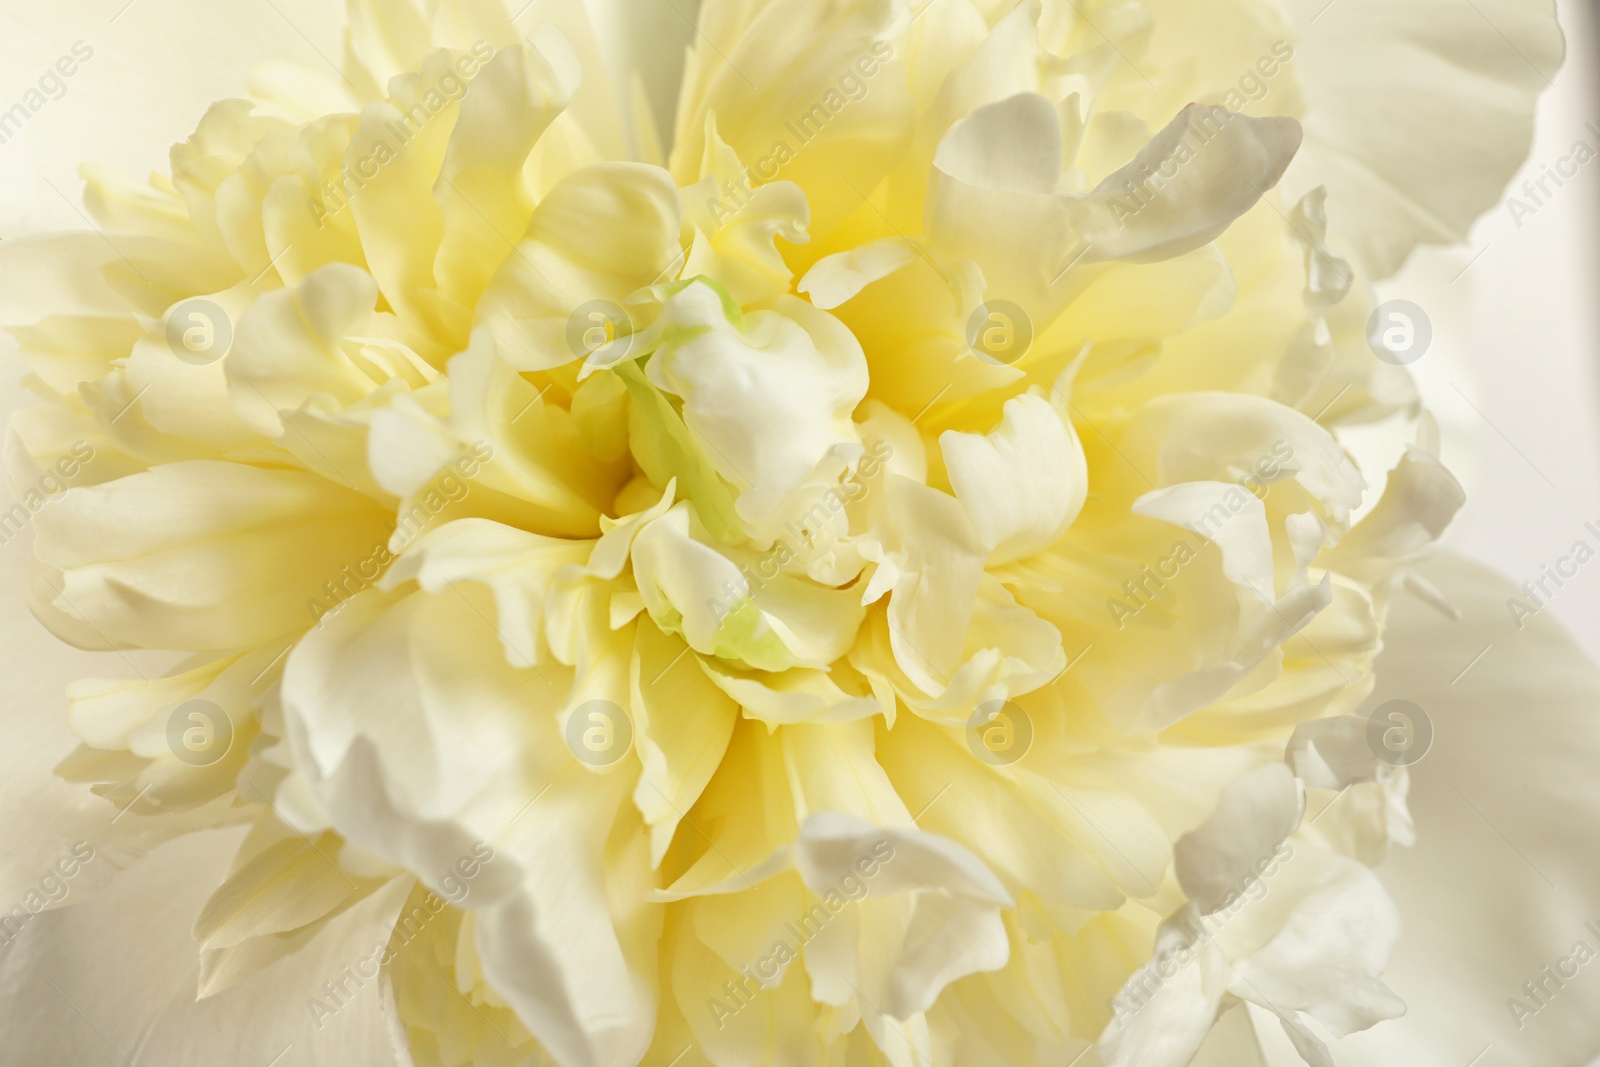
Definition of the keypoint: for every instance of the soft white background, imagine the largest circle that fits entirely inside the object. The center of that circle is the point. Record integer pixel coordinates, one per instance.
(1513, 374)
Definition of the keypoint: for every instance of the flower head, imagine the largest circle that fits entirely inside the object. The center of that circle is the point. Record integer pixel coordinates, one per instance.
(876, 581)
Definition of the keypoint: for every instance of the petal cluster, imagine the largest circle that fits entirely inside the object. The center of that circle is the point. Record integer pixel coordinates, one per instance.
(876, 581)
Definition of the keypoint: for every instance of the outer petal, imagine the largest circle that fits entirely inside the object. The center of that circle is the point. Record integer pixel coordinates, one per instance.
(173, 557)
(46, 816)
(1507, 851)
(84, 324)
(1384, 79)
(111, 983)
(422, 740)
(1173, 1025)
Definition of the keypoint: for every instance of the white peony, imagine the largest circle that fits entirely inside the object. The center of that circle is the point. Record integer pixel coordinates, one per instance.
(868, 574)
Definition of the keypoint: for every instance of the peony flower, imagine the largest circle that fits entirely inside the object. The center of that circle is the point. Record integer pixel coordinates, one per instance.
(865, 573)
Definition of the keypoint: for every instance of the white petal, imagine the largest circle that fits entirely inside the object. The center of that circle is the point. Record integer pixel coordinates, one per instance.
(289, 346)
(1255, 815)
(768, 399)
(830, 844)
(1004, 214)
(1383, 80)
(1419, 499)
(834, 279)
(937, 587)
(1241, 535)
(689, 586)
(1012, 146)
(518, 567)
(169, 558)
(1224, 437)
(1023, 483)
(1332, 753)
(1504, 801)
(1170, 1026)
(735, 243)
(948, 938)
(422, 742)
(1210, 165)
(1326, 958)
(112, 982)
